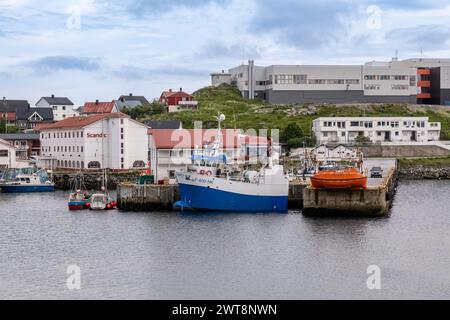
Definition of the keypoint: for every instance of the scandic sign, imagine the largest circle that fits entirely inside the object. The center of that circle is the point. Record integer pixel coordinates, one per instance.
(96, 135)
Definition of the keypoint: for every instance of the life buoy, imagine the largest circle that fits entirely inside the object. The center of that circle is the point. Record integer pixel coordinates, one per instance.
(208, 173)
(202, 171)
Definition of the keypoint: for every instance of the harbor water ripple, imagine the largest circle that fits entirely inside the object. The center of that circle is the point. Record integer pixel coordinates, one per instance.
(156, 255)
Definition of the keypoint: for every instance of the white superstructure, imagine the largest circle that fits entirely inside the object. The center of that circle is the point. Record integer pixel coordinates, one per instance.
(377, 129)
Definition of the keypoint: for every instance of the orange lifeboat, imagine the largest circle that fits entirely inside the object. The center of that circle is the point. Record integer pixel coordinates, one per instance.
(339, 179)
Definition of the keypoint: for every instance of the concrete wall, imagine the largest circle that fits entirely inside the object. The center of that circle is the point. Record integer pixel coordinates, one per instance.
(332, 96)
(404, 151)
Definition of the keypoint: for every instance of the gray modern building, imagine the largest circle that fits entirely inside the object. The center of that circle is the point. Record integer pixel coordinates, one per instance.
(408, 81)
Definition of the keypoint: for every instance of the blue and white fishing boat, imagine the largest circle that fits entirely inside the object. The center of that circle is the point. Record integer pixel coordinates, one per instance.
(27, 182)
(210, 184)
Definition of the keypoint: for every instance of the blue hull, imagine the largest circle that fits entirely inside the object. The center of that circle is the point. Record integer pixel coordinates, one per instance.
(25, 188)
(208, 199)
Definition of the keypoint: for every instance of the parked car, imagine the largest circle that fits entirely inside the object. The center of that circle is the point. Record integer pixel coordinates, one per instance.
(376, 172)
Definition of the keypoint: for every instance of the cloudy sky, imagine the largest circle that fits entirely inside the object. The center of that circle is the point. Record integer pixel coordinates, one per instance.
(95, 49)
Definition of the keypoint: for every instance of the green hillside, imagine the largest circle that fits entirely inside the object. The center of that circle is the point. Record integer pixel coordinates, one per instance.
(257, 114)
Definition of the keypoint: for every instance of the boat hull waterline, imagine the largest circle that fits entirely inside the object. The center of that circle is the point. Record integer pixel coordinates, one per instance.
(221, 195)
(24, 188)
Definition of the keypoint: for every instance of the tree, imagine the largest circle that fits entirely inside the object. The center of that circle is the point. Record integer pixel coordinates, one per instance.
(139, 112)
(361, 139)
(5, 128)
(294, 137)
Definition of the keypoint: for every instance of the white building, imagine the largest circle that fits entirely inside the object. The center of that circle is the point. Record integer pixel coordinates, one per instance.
(377, 129)
(62, 107)
(408, 81)
(113, 141)
(7, 155)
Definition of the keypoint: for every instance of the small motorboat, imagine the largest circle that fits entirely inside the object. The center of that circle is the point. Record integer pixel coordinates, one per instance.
(101, 201)
(27, 183)
(78, 200)
(348, 178)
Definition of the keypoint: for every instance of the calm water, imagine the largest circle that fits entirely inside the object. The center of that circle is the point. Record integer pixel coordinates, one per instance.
(235, 256)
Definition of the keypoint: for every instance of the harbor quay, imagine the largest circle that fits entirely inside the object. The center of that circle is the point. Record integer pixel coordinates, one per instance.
(375, 200)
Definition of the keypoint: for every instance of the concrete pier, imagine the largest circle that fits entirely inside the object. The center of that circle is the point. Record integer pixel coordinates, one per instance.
(375, 200)
(135, 197)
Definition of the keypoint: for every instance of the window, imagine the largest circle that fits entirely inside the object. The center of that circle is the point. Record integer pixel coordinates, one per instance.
(371, 87)
(121, 130)
(370, 77)
(64, 107)
(284, 79)
(300, 78)
(400, 87)
(384, 77)
(352, 81)
(412, 81)
(317, 81)
(81, 148)
(55, 108)
(3, 153)
(354, 124)
(121, 121)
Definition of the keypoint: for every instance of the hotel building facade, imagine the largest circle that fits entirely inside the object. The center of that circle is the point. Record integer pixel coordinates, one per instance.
(378, 129)
(412, 81)
(113, 141)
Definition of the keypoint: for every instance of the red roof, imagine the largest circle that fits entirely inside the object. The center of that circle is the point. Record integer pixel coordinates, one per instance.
(167, 94)
(98, 107)
(79, 122)
(189, 138)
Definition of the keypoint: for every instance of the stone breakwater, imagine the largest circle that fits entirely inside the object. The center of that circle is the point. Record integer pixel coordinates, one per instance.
(92, 181)
(424, 173)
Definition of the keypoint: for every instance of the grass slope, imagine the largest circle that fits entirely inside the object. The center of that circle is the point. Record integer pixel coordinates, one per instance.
(256, 114)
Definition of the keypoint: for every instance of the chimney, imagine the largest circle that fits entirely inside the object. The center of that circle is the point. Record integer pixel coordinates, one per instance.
(4, 99)
(131, 94)
(181, 89)
(96, 101)
(53, 95)
(170, 90)
(223, 71)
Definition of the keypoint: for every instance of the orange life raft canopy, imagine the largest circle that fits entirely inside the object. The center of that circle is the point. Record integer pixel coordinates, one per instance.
(339, 179)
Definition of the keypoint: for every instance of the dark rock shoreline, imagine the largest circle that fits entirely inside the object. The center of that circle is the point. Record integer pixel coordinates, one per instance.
(424, 173)
(92, 181)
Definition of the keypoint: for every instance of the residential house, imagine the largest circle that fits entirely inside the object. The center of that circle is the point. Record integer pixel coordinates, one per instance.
(26, 144)
(178, 100)
(62, 107)
(7, 155)
(19, 113)
(130, 101)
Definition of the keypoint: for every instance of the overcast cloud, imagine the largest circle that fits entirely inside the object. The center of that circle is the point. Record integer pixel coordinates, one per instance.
(92, 49)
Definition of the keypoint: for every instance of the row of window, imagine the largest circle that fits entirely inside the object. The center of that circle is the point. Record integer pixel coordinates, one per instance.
(393, 87)
(303, 79)
(62, 135)
(63, 149)
(387, 77)
(369, 124)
